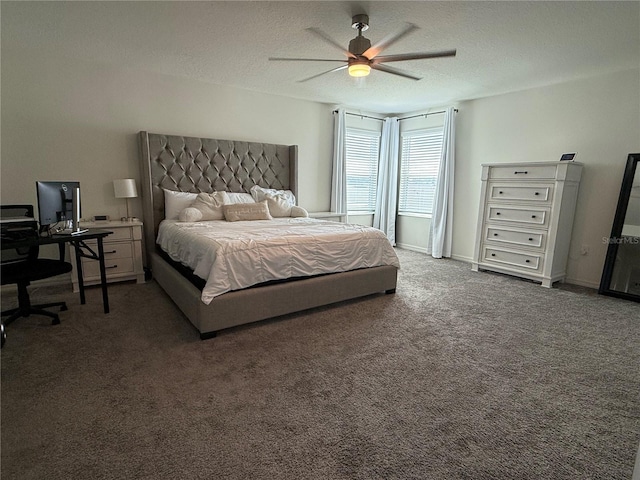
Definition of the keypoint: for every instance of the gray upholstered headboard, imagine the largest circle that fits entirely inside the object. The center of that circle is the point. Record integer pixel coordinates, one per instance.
(190, 164)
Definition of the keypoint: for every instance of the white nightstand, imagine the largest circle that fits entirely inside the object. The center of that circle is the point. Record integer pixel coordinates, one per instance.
(336, 217)
(122, 254)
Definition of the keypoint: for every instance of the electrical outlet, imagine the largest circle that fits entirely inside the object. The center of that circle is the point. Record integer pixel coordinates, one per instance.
(584, 250)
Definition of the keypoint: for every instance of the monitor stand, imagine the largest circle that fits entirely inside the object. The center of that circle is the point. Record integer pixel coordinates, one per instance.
(75, 230)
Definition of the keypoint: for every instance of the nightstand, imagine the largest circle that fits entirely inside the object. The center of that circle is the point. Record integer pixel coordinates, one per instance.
(336, 217)
(122, 254)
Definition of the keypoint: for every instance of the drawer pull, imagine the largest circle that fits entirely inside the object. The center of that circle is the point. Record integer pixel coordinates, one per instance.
(493, 254)
(112, 251)
(527, 261)
(533, 216)
(497, 213)
(531, 239)
(516, 172)
(111, 266)
(537, 193)
(495, 234)
(500, 192)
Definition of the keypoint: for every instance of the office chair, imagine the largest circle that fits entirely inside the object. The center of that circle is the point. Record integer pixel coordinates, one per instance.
(21, 265)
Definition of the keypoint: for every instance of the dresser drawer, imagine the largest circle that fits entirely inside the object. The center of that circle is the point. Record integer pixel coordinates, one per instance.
(515, 237)
(523, 172)
(523, 216)
(525, 261)
(114, 266)
(520, 193)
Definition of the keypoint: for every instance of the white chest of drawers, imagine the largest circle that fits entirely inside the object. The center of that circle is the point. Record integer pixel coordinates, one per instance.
(525, 219)
(122, 254)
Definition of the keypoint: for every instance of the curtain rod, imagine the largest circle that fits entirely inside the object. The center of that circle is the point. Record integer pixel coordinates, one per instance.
(361, 116)
(403, 118)
(426, 114)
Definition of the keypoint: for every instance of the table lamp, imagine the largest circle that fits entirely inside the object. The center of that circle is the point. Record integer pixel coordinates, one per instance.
(125, 188)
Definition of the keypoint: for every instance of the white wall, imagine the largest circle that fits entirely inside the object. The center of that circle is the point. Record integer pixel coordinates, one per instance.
(598, 117)
(64, 119)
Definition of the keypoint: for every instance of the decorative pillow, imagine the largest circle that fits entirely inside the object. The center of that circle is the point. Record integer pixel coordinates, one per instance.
(176, 202)
(280, 202)
(258, 193)
(209, 205)
(190, 215)
(246, 211)
(298, 212)
(239, 198)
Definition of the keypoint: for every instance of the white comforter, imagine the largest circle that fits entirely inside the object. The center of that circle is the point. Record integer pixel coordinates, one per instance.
(236, 255)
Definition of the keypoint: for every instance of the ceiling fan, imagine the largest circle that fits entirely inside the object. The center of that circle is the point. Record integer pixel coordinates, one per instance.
(362, 57)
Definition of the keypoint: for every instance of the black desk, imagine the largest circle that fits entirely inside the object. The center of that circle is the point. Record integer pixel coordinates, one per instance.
(82, 250)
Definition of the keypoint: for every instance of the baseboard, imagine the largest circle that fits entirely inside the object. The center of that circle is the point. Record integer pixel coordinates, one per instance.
(582, 283)
(413, 248)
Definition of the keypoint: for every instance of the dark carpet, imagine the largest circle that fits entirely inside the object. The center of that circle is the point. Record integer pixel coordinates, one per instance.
(459, 375)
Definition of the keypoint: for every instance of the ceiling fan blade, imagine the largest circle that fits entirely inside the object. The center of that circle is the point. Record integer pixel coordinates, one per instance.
(323, 73)
(330, 41)
(414, 56)
(394, 71)
(280, 59)
(389, 40)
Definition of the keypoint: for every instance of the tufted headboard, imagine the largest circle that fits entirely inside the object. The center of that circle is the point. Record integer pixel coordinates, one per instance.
(190, 164)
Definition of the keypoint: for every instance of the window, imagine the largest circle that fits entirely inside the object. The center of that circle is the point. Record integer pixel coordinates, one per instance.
(419, 164)
(362, 148)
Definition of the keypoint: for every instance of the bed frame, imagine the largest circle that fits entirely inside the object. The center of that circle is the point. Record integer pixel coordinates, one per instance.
(191, 164)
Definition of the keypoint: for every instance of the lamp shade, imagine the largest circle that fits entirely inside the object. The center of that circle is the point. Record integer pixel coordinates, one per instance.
(125, 188)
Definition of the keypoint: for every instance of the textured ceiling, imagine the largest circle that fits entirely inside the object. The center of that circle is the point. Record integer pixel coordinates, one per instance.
(502, 46)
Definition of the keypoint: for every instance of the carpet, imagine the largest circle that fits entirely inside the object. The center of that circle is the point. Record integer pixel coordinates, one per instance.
(459, 375)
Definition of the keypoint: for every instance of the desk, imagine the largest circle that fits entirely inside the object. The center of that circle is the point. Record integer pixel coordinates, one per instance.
(81, 250)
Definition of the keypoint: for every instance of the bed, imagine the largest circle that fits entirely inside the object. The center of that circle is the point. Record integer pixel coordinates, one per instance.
(191, 164)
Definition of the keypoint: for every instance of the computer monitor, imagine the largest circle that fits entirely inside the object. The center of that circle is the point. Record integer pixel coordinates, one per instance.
(58, 202)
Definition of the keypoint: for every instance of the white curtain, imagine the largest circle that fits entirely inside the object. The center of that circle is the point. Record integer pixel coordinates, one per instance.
(339, 164)
(440, 234)
(384, 217)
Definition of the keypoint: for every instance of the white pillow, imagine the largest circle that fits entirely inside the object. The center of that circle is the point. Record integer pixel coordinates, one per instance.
(298, 212)
(258, 194)
(176, 202)
(239, 198)
(280, 202)
(190, 215)
(209, 205)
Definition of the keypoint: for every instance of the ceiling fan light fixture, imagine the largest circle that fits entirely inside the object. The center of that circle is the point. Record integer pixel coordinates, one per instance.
(359, 69)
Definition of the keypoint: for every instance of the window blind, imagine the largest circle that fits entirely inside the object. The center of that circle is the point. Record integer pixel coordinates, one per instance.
(362, 149)
(419, 164)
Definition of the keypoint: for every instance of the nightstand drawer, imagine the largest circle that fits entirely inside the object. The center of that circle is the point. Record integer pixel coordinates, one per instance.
(122, 254)
(523, 172)
(112, 250)
(520, 193)
(528, 261)
(113, 267)
(521, 238)
(524, 216)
